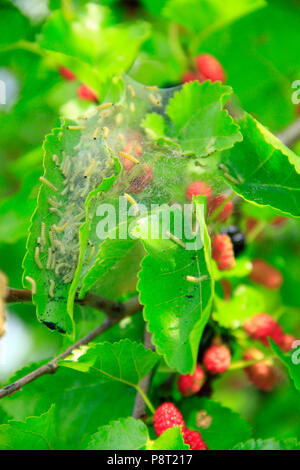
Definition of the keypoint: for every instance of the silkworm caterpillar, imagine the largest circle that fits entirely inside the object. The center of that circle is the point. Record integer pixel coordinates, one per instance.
(105, 132)
(49, 259)
(37, 257)
(175, 239)
(67, 167)
(96, 133)
(104, 106)
(53, 210)
(60, 229)
(119, 119)
(59, 266)
(231, 178)
(51, 288)
(154, 100)
(85, 189)
(151, 88)
(68, 277)
(43, 235)
(130, 157)
(60, 246)
(64, 192)
(33, 284)
(132, 92)
(54, 203)
(91, 253)
(53, 263)
(90, 168)
(55, 159)
(75, 128)
(52, 237)
(133, 202)
(196, 279)
(48, 183)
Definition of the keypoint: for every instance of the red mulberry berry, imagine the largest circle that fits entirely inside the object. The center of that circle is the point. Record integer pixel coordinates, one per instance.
(86, 93)
(210, 68)
(190, 384)
(139, 183)
(217, 359)
(222, 252)
(66, 73)
(262, 326)
(167, 416)
(279, 221)
(261, 374)
(225, 212)
(266, 275)
(198, 188)
(189, 77)
(286, 343)
(194, 440)
(131, 148)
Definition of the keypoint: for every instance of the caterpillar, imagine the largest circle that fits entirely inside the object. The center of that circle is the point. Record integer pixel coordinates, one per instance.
(33, 284)
(77, 163)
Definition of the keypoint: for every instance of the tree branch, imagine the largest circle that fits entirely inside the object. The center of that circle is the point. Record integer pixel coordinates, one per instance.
(291, 134)
(108, 306)
(114, 315)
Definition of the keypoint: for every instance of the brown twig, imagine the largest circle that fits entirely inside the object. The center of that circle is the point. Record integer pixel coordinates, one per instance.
(291, 134)
(115, 311)
(139, 404)
(108, 306)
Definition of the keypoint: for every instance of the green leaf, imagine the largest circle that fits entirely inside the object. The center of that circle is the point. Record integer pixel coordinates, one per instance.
(176, 310)
(132, 434)
(12, 15)
(82, 403)
(154, 125)
(171, 439)
(244, 303)
(199, 122)
(268, 444)
(61, 252)
(208, 15)
(271, 61)
(226, 427)
(126, 361)
(262, 170)
(290, 360)
(14, 222)
(91, 45)
(125, 434)
(34, 433)
(118, 260)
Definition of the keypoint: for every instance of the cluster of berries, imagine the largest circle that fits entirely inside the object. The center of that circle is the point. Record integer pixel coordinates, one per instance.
(216, 360)
(168, 416)
(261, 327)
(83, 91)
(206, 67)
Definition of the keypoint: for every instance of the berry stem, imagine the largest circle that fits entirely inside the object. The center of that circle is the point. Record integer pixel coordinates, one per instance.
(242, 364)
(261, 225)
(146, 399)
(176, 46)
